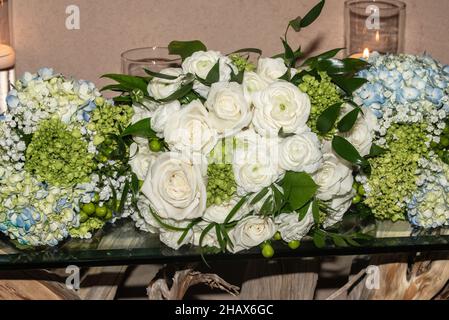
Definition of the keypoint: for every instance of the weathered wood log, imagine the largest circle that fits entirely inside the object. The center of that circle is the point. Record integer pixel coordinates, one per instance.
(293, 279)
(403, 277)
(167, 286)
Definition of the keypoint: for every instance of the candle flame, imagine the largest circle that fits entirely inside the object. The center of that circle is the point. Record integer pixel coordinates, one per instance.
(377, 36)
(366, 53)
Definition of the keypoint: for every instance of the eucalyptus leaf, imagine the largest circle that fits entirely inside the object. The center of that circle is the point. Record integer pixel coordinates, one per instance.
(326, 121)
(348, 121)
(185, 49)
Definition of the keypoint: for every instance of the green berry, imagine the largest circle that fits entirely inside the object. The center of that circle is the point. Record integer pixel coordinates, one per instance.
(89, 208)
(277, 236)
(361, 191)
(268, 251)
(83, 216)
(357, 199)
(294, 244)
(101, 212)
(155, 145)
(108, 215)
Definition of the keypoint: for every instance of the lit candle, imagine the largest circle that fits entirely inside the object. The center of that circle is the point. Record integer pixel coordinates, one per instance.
(364, 55)
(7, 57)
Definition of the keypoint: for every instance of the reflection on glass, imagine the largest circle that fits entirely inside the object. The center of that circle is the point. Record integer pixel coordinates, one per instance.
(135, 61)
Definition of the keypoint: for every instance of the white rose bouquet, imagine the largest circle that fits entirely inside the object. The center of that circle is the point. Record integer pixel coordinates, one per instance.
(242, 152)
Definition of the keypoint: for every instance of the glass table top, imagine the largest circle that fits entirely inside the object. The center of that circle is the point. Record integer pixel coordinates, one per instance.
(123, 244)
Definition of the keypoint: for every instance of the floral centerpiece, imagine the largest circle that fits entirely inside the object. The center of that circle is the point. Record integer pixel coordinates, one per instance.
(234, 153)
(57, 176)
(410, 97)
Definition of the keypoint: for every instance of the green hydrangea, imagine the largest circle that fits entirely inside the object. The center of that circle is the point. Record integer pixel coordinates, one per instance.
(84, 231)
(393, 178)
(59, 156)
(323, 93)
(221, 185)
(108, 119)
(242, 63)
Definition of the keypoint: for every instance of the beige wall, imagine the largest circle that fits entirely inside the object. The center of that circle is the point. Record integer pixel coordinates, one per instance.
(109, 27)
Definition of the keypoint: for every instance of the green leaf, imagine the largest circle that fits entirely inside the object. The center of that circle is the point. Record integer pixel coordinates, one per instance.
(185, 49)
(326, 121)
(287, 76)
(326, 55)
(347, 123)
(235, 209)
(296, 24)
(140, 129)
(244, 50)
(129, 82)
(214, 74)
(338, 240)
(188, 228)
(182, 92)
(160, 75)
(348, 85)
(238, 77)
(319, 239)
(348, 152)
(316, 212)
(303, 211)
(259, 196)
(220, 240)
(299, 188)
(312, 15)
(376, 151)
(124, 197)
(278, 199)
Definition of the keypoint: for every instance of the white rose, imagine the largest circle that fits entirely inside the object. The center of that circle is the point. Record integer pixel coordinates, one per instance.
(171, 238)
(141, 159)
(281, 106)
(162, 115)
(210, 240)
(334, 178)
(175, 187)
(339, 206)
(159, 88)
(218, 214)
(201, 63)
(253, 163)
(143, 218)
(144, 110)
(271, 69)
(252, 83)
(291, 228)
(228, 109)
(190, 130)
(362, 134)
(251, 232)
(301, 153)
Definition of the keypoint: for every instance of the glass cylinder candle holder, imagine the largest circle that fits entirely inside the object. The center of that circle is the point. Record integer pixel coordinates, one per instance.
(374, 25)
(135, 61)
